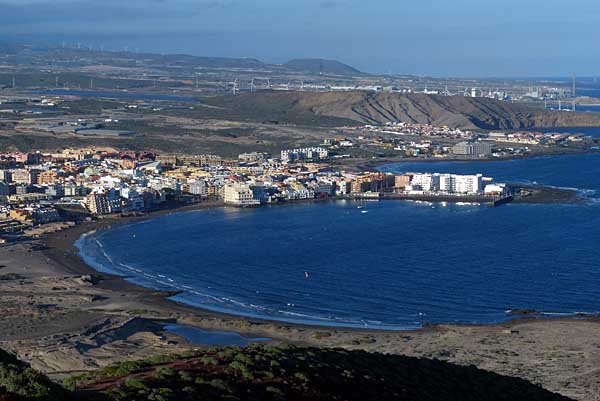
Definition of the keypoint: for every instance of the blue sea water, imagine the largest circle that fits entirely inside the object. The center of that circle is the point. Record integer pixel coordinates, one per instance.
(590, 108)
(400, 265)
(591, 91)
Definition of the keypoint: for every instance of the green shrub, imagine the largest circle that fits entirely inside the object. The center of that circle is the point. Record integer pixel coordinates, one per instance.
(162, 394)
(126, 368)
(301, 376)
(158, 359)
(163, 373)
(242, 358)
(237, 366)
(17, 377)
(241, 370)
(274, 391)
(209, 360)
(136, 383)
(221, 385)
(185, 376)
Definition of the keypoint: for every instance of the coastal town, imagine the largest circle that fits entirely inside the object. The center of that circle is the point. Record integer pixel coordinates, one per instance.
(268, 201)
(73, 184)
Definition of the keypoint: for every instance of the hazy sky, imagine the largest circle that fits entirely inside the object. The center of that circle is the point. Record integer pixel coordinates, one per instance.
(430, 37)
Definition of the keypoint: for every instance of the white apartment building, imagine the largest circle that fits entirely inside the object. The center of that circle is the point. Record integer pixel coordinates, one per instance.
(158, 183)
(324, 187)
(239, 195)
(468, 184)
(289, 155)
(198, 188)
(343, 187)
(448, 183)
(425, 182)
(134, 198)
(298, 193)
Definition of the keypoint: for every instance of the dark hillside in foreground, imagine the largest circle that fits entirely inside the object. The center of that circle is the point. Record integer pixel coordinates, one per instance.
(18, 382)
(272, 373)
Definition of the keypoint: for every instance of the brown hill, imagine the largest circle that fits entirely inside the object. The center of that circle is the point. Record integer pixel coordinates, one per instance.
(376, 108)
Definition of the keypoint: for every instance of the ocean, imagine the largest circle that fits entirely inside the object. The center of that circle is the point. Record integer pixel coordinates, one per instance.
(400, 265)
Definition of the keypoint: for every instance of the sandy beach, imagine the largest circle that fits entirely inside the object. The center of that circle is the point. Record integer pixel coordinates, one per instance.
(64, 318)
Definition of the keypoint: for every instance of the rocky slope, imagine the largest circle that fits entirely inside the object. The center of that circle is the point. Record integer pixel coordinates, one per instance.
(375, 108)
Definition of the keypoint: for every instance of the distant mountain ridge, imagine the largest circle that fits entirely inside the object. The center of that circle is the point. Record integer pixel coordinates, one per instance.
(213, 62)
(309, 65)
(321, 66)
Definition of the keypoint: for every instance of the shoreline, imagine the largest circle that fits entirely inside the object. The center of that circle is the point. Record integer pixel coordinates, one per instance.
(63, 251)
(67, 254)
(100, 319)
(68, 318)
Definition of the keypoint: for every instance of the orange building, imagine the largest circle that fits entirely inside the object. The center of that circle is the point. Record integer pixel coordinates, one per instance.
(402, 181)
(21, 214)
(48, 177)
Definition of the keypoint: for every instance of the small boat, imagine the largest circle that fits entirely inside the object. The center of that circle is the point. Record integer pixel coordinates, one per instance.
(306, 275)
(364, 211)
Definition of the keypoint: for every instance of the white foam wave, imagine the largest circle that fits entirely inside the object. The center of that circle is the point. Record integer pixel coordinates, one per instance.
(303, 315)
(217, 299)
(131, 268)
(107, 257)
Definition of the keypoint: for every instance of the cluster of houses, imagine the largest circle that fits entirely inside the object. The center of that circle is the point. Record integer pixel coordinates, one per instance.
(450, 184)
(536, 138)
(406, 128)
(38, 187)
